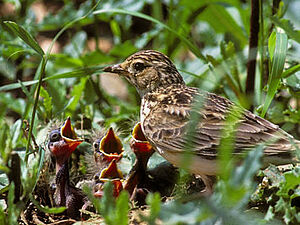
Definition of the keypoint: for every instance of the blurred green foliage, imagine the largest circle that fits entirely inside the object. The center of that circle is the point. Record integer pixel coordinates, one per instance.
(207, 40)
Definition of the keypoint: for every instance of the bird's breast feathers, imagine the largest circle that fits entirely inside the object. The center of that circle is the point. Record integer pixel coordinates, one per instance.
(173, 100)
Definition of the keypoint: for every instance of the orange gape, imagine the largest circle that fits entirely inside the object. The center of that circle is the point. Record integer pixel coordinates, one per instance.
(107, 152)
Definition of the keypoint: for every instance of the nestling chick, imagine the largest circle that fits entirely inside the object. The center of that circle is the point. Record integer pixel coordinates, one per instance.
(142, 180)
(62, 142)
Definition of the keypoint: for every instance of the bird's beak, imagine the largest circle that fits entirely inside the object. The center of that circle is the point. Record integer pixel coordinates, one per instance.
(111, 143)
(114, 69)
(139, 143)
(111, 172)
(69, 135)
(110, 147)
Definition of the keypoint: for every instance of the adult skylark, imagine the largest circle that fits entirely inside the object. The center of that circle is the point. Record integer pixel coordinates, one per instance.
(165, 113)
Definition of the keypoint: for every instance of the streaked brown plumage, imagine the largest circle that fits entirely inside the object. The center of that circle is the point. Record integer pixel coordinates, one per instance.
(165, 112)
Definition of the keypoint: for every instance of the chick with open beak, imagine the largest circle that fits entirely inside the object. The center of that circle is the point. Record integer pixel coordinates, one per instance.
(142, 180)
(112, 174)
(62, 143)
(108, 148)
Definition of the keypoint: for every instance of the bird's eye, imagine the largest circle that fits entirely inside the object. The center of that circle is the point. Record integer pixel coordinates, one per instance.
(139, 66)
(96, 145)
(54, 136)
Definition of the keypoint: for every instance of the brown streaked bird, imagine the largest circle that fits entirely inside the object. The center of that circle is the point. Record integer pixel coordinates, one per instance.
(165, 112)
(62, 142)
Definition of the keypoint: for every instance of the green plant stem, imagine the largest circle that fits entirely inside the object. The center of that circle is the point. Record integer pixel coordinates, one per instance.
(68, 25)
(41, 73)
(96, 33)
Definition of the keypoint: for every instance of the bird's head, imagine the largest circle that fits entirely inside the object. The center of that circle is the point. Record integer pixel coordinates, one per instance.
(108, 148)
(63, 141)
(147, 70)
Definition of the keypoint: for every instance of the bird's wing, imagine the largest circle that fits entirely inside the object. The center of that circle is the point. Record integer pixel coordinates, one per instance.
(167, 124)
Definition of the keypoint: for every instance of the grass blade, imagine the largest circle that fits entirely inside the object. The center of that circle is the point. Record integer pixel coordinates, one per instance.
(291, 71)
(287, 26)
(82, 72)
(277, 68)
(190, 45)
(40, 73)
(122, 208)
(24, 35)
(46, 209)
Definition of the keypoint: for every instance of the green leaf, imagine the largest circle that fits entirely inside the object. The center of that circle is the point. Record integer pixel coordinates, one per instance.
(217, 16)
(7, 68)
(76, 95)
(15, 132)
(24, 35)
(287, 26)
(175, 212)
(289, 214)
(280, 205)
(95, 58)
(277, 68)
(189, 44)
(290, 182)
(46, 209)
(291, 71)
(4, 137)
(122, 209)
(30, 100)
(153, 200)
(66, 61)
(244, 173)
(108, 203)
(13, 211)
(77, 45)
(272, 44)
(39, 75)
(227, 141)
(293, 83)
(96, 201)
(270, 214)
(82, 72)
(4, 169)
(41, 161)
(124, 49)
(230, 216)
(9, 87)
(47, 101)
(227, 49)
(116, 30)
(292, 179)
(4, 182)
